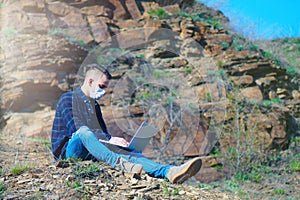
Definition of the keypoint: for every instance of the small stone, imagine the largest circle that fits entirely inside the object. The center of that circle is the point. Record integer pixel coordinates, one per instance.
(182, 192)
(24, 181)
(55, 176)
(69, 178)
(134, 181)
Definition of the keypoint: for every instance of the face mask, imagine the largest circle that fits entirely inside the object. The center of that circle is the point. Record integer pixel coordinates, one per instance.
(98, 93)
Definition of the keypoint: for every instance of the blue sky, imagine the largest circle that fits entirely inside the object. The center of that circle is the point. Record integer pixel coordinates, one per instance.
(261, 19)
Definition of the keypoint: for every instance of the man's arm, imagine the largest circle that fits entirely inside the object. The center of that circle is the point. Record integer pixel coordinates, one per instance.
(65, 109)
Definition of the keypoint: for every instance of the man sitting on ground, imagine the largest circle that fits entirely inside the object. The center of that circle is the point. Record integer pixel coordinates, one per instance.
(78, 125)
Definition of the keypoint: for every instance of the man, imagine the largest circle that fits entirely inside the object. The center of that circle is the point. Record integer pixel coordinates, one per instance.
(78, 125)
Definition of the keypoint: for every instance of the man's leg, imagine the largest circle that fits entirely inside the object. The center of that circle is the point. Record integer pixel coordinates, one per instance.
(175, 174)
(75, 148)
(152, 168)
(84, 144)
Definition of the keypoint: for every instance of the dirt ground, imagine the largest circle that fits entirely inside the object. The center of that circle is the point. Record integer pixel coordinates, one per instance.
(47, 179)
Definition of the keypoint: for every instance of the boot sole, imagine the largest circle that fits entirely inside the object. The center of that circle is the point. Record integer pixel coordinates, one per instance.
(190, 170)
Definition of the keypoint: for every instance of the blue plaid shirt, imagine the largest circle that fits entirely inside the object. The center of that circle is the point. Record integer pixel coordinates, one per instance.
(65, 124)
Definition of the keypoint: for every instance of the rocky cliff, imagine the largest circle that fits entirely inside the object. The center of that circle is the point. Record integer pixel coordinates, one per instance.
(228, 87)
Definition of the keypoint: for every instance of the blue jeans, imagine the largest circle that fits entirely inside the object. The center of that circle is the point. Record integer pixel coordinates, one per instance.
(85, 145)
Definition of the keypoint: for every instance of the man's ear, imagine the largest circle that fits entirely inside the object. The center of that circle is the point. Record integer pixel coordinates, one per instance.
(90, 81)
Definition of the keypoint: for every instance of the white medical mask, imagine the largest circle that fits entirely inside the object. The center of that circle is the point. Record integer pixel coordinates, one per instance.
(98, 93)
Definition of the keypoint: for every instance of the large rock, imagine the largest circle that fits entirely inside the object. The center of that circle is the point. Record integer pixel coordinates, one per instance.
(252, 93)
(70, 21)
(99, 28)
(30, 124)
(43, 43)
(36, 71)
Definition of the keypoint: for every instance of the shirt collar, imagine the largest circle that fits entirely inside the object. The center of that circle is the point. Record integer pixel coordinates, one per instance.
(81, 95)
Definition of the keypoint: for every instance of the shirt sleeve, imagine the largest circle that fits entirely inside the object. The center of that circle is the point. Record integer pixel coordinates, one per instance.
(67, 115)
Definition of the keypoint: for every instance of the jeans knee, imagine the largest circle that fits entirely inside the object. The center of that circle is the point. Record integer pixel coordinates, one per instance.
(84, 131)
(74, 147)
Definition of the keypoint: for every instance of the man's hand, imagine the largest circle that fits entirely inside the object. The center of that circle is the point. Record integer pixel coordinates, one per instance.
(118, 141)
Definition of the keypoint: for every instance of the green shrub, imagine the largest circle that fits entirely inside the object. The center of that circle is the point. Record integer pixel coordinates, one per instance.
(291, 70)
(196, 17)
(159, 12)
(267, 54)
(270, 103)
(241, 192)
(239, 47)
(253, 47)
(220, 72)
(217, 24)
(184, 14)
(225, 45)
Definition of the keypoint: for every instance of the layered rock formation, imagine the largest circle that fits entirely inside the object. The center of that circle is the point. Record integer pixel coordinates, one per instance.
(44, 42)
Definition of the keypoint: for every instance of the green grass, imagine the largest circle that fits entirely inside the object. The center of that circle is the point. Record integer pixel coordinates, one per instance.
(270, 103)
(46, 142)
(169, 191)
(284, 49)
(91, 170)
(220, 63)
(279, 191)
(295, 165)
(205, 186)
(188, 71)
(9, 32)
(2, 189)
(140, 56)
(231, 186)
(17, 170)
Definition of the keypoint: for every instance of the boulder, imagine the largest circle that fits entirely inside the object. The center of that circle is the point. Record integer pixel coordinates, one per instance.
(242, 80)
(125, 9)
(99, 28)
(252, 93)
(30, 124)
(70, 21)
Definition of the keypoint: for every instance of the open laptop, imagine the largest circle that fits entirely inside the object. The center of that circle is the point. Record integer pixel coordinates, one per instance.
(140, 139)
